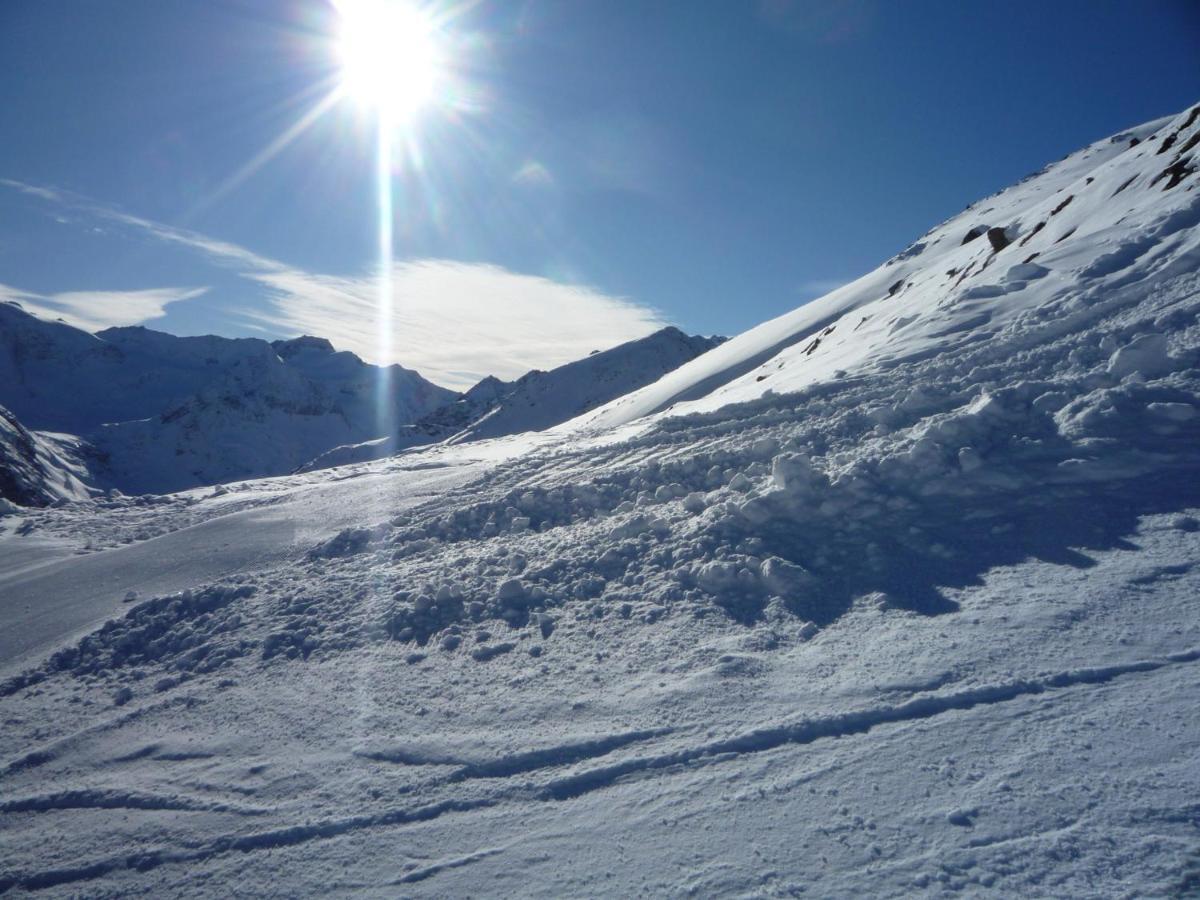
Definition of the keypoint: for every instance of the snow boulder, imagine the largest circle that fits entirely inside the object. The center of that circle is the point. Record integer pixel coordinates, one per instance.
(1146, 355)
(794, 473)
(786, 579)
(1025, 272)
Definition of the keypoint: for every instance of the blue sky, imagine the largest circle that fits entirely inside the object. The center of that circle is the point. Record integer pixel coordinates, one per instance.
(603, 166)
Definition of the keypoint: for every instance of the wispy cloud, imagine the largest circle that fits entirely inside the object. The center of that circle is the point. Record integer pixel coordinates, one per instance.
(453, 322)
(96, 310)
(219, 251)
(456, 322)
(533, 174)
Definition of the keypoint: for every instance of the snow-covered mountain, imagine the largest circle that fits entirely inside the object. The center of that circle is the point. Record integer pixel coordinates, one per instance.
(264, 415)
(165, 413)
(39, 468)
(536, 400)
(892, 596)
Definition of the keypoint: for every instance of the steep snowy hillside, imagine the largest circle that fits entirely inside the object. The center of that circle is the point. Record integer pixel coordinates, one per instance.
(166, 413)
(36, 469)
(893, 596)
(1042, 257)
(537, 400)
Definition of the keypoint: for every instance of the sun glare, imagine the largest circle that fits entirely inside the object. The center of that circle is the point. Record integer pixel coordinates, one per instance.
(388, 55)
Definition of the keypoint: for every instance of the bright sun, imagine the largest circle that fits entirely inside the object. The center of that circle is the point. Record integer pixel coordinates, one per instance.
(388, 55)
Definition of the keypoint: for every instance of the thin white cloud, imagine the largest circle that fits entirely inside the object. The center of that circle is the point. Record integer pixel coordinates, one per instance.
(453, 322)
(219, 251)
(456, 322)
(533, 174)
(34, 191)
(97, 310)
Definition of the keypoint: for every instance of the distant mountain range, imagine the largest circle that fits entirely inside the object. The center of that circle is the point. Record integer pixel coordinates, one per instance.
(148, 412)
(537, 400)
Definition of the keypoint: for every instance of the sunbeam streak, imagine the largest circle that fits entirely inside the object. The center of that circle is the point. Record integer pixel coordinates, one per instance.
(383, 188)
(310, 117)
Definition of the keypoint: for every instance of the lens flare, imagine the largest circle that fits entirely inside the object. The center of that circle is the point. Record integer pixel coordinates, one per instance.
(388, 55)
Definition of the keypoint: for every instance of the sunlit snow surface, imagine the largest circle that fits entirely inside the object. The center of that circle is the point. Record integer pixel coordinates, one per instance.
(894, 595)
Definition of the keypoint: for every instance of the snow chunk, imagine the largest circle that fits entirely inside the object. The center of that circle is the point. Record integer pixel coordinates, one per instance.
(638, 525)
(1026, 272)
(784, 578)
(513, 589)
(794, 473)
(1145, 355)
(484, 652)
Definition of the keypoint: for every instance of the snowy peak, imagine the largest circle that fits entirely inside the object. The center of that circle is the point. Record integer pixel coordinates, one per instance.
(540, 400)
(289, 348)
(264, 415)
(147, 345)
(488, 389)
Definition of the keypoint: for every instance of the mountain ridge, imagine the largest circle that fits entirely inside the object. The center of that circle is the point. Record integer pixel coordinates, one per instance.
(157, 413)
(538, 399)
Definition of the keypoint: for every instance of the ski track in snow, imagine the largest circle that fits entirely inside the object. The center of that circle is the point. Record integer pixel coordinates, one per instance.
(556, 790)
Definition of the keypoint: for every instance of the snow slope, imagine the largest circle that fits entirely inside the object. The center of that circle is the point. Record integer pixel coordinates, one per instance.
(912, 615)
(165, 413)
(1099, 220)
(537, 400)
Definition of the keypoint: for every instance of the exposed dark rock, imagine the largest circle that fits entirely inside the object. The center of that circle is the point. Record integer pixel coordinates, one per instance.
(1171, 138)
(998, 238)
(975, 232)
(1036, 228)
(22, 476)
(1174, 173)
(1126, 183)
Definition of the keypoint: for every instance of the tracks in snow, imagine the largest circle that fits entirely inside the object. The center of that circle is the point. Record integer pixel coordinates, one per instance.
(263, 840)
(845, 724)
(563, 788)
(92, 798)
